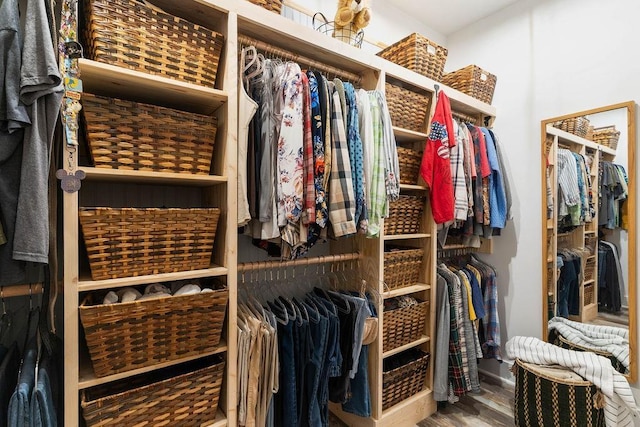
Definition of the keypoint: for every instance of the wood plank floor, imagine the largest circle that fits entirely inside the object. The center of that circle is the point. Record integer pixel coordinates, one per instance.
(492, 407)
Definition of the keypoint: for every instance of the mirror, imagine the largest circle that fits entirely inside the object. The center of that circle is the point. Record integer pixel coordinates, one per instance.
(589, 232)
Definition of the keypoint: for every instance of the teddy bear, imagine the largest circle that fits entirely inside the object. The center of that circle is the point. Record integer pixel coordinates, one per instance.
(351, 17)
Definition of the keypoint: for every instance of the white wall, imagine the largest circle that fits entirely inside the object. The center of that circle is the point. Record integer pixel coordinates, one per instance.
(552, 57)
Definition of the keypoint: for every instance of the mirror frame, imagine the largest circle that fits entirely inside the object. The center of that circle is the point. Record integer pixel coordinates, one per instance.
(631, 108)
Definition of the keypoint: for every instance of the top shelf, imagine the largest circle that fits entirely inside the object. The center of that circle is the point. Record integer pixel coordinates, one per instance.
(110, 80)
(574, 139)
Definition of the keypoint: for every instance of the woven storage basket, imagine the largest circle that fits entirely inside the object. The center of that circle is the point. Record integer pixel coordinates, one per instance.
(557, 339)
(578, 126)
(402, 267)
(403, 382)
(403, 325)
(408, 109)
(272, 5)
(135, 242)
(131, 335)
(417, 53)
(404, 215)
(607, 136)
(590, 269)
(409, 161)
(131, 34)
(134, 136)
(543, 401)
(472, 80)
(157, 399)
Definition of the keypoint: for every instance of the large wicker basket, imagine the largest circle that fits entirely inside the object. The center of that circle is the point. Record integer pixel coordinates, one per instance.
(272, 5)
(607, 136)
(134, 136)
(419, 54)
(544, 401)
(135, 242)
(402, 267)
(409, 161)
(171, 397)
(405, 215)
(404, 381)
(131, 34)
(408, 109)
(472, 80)
(403, 325)
(578, 126)
(131, 335)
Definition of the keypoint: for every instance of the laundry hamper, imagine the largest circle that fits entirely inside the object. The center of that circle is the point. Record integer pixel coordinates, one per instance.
(136, 35)
(403, 376)
(185, 396)
(134, 136)
(131, 335)
(125, 242)
(407, 108)
(544, 401)
(419, 54)
(404, 325)
(559, 340)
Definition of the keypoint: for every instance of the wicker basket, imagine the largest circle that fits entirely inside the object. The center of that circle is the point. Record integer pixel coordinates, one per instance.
(409, 161)
(403, 325)
(419, 54)
(131, 335)
(543, 401)
(272, 5)
(590, 269)
(474, 81)
(607, 136)
(135, 242)
(578, 126)
(589, 294)
(404, 215)
(135, 136)
(134, 35)
(408, 109)
(403, 382)
(158, 399)
(402, 267)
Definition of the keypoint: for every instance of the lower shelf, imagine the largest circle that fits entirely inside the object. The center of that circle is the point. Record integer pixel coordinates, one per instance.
(220, 421)
(405, 403)
(88, 379)
(418, 287)
(406, 347)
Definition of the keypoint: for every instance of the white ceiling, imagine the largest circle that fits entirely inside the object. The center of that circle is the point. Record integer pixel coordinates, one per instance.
(449, 16)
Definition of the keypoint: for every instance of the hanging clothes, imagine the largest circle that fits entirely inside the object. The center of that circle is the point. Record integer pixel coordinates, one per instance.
(610, 279)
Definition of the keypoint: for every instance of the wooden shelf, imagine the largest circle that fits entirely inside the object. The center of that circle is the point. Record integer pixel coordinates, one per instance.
(574, 139)
(591, 256)
(413, 187)
(407, 236)
(147, 177)
(406, 346)
(588, 282)
(406, 135)
(88, 379)
(589, 232)
(118, 82)
(94, 285)
(407, 402)
(220, 421)
(418, 287)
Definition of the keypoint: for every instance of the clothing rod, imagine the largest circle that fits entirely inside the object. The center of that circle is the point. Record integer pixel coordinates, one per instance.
(464, 117)
(324, 259)
(285, 54)
(20, 290)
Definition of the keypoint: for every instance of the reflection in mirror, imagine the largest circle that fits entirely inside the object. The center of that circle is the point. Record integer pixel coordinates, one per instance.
(589, 229)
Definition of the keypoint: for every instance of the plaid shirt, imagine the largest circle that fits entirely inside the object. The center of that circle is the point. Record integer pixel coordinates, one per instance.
(379, 208)
(309, 213)
(491, 321)
(342, 207)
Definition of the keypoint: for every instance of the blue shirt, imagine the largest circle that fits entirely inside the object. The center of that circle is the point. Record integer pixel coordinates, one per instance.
(497, 195)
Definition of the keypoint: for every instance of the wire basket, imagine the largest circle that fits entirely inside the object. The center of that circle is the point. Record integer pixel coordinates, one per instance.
(346, 34)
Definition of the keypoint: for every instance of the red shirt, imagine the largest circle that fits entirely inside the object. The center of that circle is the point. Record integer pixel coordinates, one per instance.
(435, 168)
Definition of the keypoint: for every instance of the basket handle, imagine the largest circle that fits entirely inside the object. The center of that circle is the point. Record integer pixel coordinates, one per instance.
(313, 20)
(431, 49)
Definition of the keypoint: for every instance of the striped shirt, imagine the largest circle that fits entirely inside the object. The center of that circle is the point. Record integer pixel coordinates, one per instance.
(567, 181)
(378, 202)
(457, 157)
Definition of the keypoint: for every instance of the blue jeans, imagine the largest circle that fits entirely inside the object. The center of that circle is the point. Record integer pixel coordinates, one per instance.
(360, 402)
(285, 401)
(318, 325)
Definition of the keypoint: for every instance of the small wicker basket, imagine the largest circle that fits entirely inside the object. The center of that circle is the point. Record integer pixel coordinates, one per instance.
(408, 109)
(140, 241)
(474, 81)
(402, 267)
(403, 325)
(131, 335)
(272, 5)
(578, 126)
(607, 136)
(409, 161)
(419, 54)
(162, 398)
(406, 380)
(132, 34)
(405, 215)
(135, 136)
